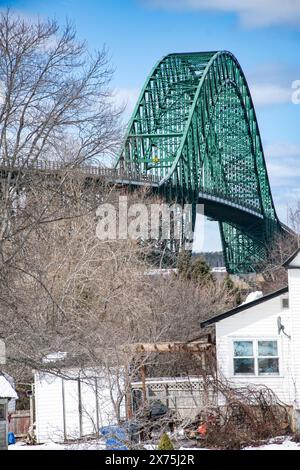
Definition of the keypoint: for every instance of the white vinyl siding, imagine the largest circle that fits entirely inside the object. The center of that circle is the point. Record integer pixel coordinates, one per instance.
(258, 323)
(294, 300)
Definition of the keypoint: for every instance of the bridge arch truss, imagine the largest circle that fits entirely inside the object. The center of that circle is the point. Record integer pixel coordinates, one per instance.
(194, 131)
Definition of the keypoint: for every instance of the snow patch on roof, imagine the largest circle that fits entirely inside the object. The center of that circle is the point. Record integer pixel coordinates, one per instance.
(6, 390)
(253, 296)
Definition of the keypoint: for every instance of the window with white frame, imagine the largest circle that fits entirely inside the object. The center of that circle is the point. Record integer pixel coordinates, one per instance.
(255, 357)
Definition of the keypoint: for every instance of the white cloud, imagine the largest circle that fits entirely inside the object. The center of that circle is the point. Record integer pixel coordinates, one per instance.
(282, 149)
(266, 94)
(283, 167)
(279, 172)
(252, 13)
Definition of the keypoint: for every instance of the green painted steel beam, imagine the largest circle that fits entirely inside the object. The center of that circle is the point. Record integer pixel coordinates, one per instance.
(196, 114)
(156, 136)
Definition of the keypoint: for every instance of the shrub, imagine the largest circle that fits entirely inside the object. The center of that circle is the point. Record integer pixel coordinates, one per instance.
(165, 443)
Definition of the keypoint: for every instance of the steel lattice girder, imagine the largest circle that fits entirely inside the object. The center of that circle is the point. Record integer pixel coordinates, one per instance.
(194, 129)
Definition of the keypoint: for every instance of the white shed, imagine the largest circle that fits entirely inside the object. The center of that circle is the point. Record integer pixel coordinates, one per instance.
(259, 342)
(72, 406)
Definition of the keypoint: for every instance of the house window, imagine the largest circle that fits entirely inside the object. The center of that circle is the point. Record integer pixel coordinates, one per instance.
(243, 357)
(256, 357)
(268, 361)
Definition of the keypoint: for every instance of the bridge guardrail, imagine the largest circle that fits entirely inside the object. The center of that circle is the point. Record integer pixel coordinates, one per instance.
(48, 165)
(108, 173)
(114, 174)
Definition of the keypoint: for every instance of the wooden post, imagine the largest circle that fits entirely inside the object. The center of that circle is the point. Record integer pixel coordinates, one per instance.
(167, 395)
(143, 377)
(129, 412)
(31, 409)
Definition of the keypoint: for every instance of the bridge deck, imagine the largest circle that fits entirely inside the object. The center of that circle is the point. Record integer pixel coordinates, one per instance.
(217, 206)
(115, 175)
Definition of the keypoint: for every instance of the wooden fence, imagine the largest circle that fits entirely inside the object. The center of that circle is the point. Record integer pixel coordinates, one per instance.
(19, 422)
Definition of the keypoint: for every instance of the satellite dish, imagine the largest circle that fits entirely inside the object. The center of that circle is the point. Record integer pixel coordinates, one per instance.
(279, 325)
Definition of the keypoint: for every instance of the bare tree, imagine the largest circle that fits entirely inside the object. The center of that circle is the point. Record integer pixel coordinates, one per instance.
(53, 93)
(273, 274)
(69, 291)
(55, 104)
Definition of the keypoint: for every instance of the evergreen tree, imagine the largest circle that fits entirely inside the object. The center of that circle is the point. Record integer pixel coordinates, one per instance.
(184, 264)
(201, 272)
(228, 283)
(232, 289)
(165, 443)
(198, 270)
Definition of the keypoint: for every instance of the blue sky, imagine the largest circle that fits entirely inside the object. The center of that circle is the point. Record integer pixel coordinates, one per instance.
(263, 34)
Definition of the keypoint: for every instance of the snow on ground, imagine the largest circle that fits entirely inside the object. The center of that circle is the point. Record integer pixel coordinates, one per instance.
(24, 446)
(88, 445)
(277, 444)
(284, 443)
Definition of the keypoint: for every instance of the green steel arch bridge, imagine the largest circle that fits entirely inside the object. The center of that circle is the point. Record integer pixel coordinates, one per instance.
(193, 138)
(194, 135)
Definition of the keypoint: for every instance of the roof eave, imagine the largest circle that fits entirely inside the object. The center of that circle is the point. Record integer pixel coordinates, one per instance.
(241, 308)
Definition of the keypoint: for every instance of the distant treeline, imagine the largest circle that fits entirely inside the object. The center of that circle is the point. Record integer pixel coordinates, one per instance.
(213, 258)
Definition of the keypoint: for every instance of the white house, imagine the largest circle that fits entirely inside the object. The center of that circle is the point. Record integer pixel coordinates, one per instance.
(259, 342)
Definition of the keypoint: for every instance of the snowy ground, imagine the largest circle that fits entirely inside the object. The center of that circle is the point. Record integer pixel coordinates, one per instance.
(274, 444)
(90, 445)
(277, 444)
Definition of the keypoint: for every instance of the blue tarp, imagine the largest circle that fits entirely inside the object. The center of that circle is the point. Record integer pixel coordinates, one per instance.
(115, 437)
(11, 438)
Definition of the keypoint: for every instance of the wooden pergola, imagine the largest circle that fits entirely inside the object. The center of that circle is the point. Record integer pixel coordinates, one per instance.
(170, 347)
(197, 348)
